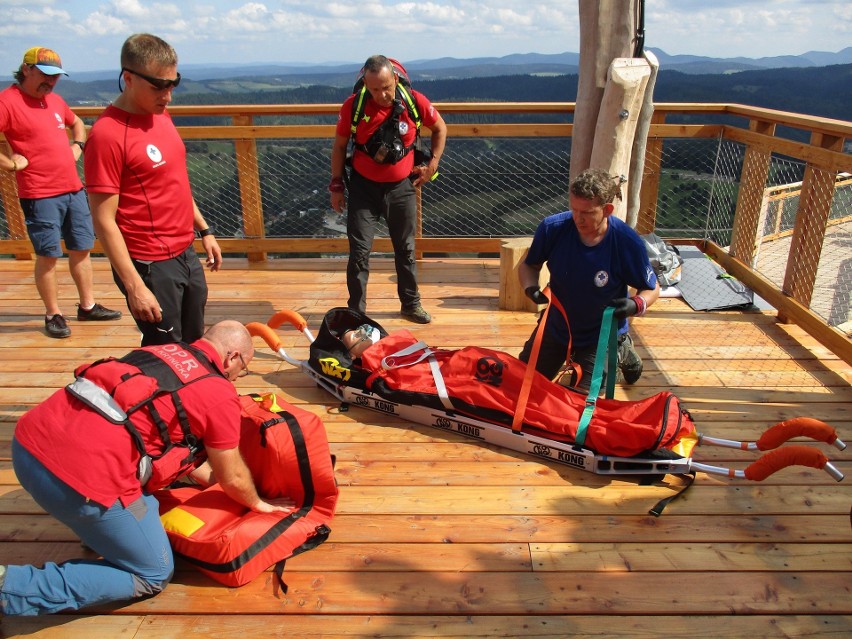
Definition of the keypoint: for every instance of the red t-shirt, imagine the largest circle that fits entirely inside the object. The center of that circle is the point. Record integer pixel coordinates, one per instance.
(36, 128)
(143, 159)
(371, 119)
(98, 458)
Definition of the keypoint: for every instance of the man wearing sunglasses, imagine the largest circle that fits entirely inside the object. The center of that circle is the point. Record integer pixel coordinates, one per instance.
(36, 123)
(141, 201)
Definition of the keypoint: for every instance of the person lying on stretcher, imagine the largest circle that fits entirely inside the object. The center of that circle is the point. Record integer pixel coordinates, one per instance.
(485, 384)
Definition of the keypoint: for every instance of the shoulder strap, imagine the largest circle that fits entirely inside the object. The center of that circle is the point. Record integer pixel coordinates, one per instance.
(607, 345)
(529, 373)
(403, 93)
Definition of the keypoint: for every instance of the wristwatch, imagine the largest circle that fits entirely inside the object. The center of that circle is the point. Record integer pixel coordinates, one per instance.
(79, 143)
(205, 232)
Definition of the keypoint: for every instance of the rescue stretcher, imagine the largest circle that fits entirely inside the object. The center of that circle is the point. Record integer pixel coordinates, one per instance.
(350, 384)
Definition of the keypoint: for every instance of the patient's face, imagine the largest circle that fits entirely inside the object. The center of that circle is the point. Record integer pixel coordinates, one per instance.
(359, 339)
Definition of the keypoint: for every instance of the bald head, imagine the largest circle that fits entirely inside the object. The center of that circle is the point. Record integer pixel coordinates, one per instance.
(233, 343)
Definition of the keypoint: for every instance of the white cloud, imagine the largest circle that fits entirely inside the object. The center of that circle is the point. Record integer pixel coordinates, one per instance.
(309, 31)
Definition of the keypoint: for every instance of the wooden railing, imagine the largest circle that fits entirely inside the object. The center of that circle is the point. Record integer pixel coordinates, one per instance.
(758, 129)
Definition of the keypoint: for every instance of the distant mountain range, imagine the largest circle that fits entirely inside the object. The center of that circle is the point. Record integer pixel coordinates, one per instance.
(341, 74)
(816, 83)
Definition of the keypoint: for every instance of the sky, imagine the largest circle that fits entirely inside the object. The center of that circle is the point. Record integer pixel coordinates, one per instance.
(88, 34)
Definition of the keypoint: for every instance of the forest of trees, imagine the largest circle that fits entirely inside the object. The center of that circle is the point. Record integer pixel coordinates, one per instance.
(821, 91)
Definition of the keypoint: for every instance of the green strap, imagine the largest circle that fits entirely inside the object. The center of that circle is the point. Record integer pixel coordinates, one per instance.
(410, 103)
(607, 345)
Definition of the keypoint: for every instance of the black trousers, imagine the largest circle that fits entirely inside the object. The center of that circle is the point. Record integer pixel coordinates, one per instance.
(181, 289)
(396, 203)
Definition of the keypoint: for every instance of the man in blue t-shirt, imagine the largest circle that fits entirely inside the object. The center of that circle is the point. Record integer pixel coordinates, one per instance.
(592, 258)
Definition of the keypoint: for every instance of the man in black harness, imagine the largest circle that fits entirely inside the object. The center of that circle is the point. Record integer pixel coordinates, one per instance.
(383, 178)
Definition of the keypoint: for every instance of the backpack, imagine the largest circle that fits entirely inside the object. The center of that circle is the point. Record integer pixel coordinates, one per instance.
(665, 259)
(287, 451)
(118, 388)
(384, 145)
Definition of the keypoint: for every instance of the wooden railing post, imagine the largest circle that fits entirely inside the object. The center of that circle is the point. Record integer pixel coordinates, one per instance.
(649, 194)
(12, 207)
(418, 231)
(745, 236)
(818, 187)
(248, 174)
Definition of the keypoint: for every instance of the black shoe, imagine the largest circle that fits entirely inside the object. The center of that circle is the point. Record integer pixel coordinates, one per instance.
(56, 326)
(416, 315)
(629, 362)
(97, 313)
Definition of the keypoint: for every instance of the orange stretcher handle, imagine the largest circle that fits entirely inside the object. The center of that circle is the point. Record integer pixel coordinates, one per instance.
(775, 460)
(796, 427)
(256, 329)
(292, 317)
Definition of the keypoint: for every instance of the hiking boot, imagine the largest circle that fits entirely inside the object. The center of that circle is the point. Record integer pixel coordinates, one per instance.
(629, 362)
(97, 313)
(416, 315)
(56, 326)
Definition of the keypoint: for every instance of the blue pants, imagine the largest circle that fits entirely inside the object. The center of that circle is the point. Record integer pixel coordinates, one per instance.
(370, 201)
(137, 559)
(51, 219)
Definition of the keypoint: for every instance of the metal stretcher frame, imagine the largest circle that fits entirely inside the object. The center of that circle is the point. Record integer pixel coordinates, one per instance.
(570, 453)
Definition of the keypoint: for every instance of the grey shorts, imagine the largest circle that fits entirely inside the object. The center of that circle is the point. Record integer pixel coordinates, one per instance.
(61, 217)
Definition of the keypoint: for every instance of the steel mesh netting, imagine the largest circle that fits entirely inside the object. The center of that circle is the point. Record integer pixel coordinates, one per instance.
(699, 186)
(486, 188)
(498, 187)
(832, 272)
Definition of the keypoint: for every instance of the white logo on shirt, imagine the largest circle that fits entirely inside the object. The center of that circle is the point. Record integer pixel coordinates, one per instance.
(154, 153)
(403, 128)
(61, 124)
(601, 279)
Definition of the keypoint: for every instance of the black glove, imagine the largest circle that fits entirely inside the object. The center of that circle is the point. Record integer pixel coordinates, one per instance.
(535, 294)
(624, 307)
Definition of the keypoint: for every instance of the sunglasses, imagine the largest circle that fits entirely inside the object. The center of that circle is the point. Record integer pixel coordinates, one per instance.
(161, 84)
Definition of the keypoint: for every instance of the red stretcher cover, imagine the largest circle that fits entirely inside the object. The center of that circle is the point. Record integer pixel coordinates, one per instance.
(484, 383)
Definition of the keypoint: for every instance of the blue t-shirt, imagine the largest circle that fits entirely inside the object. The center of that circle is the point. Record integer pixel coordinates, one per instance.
(585, 279)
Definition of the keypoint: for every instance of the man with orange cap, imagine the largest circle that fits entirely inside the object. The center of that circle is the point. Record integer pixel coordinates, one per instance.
(34, 121)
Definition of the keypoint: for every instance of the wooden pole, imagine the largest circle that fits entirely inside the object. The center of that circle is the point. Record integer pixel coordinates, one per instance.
(606, 30)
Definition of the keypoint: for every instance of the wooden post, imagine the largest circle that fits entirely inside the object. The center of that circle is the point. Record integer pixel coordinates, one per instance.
(649, 193)
(809, 231)
(249, 177)
(606, 32)
(746, 232)
(12, 206)
(512, 296)
(418, 230)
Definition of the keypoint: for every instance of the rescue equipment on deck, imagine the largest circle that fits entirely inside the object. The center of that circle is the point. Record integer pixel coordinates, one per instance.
(286, 450)
(474, 392)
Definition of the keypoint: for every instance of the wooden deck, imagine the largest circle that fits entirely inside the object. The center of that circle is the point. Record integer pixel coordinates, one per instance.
(438, 536)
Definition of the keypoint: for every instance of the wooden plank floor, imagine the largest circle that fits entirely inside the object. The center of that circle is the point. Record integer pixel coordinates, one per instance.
(438, 536)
